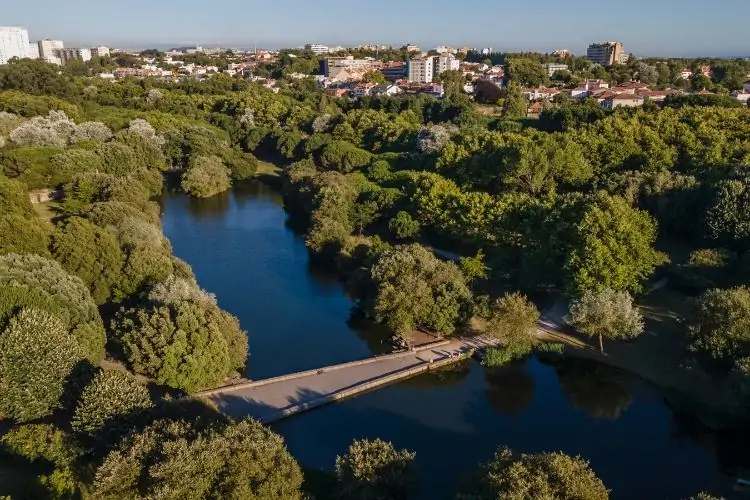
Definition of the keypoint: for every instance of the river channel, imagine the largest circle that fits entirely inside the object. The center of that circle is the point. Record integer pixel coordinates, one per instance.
(298, 317)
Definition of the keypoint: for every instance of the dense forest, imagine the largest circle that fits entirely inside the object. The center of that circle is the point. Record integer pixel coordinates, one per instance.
(583, 203)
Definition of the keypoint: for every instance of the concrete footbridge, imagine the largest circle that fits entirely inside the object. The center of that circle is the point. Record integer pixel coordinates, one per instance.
(276, 398)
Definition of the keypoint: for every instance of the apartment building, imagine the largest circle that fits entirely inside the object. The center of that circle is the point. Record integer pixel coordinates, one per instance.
(317, 49)
(100, 51)
(425, 69)
(552, 68)
(48, 50)
(421, 69)
(335, 64)
(14, 42)
(80, 54)
(607, 53)
(393, 72)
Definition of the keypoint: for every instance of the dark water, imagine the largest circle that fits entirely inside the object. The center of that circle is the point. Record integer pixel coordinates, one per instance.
(297, 319)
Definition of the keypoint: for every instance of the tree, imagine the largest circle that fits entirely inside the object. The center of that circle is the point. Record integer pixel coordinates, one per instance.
(473, 268)
(514, 319)
(526, 72)
(38, 283)
(515, 104)
(37, 355)
(453, 82)
(728, 220)
(14, 200)
(413, 287)
(612, 247)
(538, 475)
(606, 313)
(375, 77)
(486, 92)
(180, 337)
(719, 327)
(89, 252)
(375, 470)
(24, 236)
(403, 226)
(110, 405)
(180, 460)
(206, 177)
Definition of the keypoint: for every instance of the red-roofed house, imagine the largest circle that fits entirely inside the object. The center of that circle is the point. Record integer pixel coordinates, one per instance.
(623, 101)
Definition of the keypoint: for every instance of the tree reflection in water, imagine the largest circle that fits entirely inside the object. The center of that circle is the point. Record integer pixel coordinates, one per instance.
(510, 388)
(448, 376)
(600, 390)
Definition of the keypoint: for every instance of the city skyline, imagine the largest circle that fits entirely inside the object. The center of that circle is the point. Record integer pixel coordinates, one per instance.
(669, 28)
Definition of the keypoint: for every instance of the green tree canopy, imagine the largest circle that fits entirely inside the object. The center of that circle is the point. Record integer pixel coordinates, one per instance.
(719, 327)
(205, 177)
(24, 235)
(89, 252)
(178, 460)
(375, 470)
(515, 320)
(37, 356)
(413, 287)
(538, 475)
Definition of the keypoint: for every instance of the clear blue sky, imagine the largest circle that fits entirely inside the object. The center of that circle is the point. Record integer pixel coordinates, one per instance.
(646, 27)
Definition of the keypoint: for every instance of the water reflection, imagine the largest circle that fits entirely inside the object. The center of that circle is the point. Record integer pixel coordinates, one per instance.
(209, 208)
(510, 388)
(450, 376)
(600, 390)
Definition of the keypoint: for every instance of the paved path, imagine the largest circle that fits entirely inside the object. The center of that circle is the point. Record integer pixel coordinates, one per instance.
(273, 399)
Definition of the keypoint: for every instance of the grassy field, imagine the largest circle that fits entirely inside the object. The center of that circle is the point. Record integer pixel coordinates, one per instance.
(47, 210)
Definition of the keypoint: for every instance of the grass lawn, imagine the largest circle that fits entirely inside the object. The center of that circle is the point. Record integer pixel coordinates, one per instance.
(47, 210)
(268, 169)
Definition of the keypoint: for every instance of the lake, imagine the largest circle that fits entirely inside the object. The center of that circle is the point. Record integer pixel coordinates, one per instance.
(298, 317)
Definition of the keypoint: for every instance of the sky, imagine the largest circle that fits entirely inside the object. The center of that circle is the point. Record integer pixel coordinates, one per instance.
(646, 27)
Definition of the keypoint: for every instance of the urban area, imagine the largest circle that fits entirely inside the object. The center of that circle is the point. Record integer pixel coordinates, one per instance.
(373, 272)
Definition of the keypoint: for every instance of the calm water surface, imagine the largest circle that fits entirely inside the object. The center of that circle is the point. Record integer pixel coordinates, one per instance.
(298, 318)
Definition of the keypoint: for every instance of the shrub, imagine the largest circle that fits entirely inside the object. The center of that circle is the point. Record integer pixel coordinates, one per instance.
(35, 282)
(73, 161)
(514, 319)
(90, 253)
(206, 177)
(37, 355)
(719, 327)
(110, 405)
(91, 132)
(118, 159)
(373, 470)
(14, 200)
(24, 236)
(494, 357)
(236, 460)
(537, 475)
(144, 266)
(403, 226)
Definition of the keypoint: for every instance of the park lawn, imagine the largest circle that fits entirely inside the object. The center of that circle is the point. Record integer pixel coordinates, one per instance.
(47, 210)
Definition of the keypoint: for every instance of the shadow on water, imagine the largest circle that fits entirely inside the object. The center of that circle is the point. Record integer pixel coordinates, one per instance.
(600, 390)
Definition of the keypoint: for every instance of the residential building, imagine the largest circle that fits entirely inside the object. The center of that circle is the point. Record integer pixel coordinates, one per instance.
(33, 51)
(540, 93)
(444, 49)
(554, 67)
(586, 88)
(412, 48)
(446, 62)
(563, 53)
(421, 69)
(331, 63)
(607, 53)
(388, 89)
(623, 101)
(393, 72)
(686, 74)
(48, 50)
(14, 42)
(742, 95)
(80, 54)
(747, 86)
(487, 50)
(317, 49)
(100, 51)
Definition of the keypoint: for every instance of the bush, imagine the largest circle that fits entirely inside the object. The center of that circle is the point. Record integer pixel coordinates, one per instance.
(373, 470)
(24, 236)
(538, 475)
(37, 355)
(112, 213)
(494, 357)
(14, 200)
(206, 177)
(36, 442)
(90, 253)
(719, 328)
(109, 405)
(514, 319)
(119, 159)
(35, 282)
(74, 161)
(344, 157)
(236, 460)
(403, 226)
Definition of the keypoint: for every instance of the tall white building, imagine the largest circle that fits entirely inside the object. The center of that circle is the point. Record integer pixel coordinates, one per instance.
(100, 51)
(317, 49)
(48, 50)
(76, 53)
(14, 42)
(33, 51)
(421, 69)
(425, 69)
